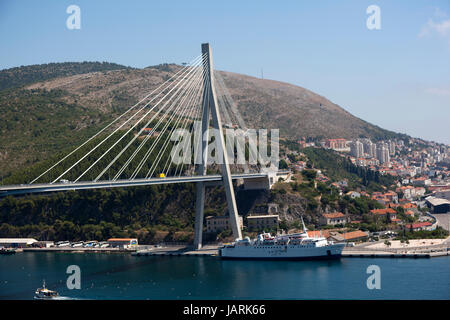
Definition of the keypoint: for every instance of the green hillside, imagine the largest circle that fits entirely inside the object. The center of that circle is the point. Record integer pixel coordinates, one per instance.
(51, 108)
(339, 168)
(38, 123)
(48, 110)
(24, 75)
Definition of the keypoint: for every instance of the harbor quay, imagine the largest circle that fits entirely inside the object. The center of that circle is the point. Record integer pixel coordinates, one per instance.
(357, 251)
(419, 248)
(212, 250)
(77, 250)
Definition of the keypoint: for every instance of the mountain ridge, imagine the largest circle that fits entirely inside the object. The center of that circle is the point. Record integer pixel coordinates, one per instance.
(43, 117)
(23, 75)
(316, 105)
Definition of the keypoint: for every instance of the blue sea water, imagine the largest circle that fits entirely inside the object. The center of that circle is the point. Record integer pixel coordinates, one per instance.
(122, 276)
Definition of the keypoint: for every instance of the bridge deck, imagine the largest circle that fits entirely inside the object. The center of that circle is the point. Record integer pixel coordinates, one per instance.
(67, 186)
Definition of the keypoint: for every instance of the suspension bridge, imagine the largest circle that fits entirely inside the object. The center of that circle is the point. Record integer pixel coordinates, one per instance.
(135, 146)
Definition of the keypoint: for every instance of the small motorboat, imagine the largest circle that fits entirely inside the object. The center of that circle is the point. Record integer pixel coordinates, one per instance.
(44, 293)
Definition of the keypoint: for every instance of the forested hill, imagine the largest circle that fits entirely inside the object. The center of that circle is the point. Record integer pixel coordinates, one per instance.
(51, 108)
(24, 75)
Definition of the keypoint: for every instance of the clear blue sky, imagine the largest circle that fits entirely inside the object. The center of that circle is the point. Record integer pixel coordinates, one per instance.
(397, 77)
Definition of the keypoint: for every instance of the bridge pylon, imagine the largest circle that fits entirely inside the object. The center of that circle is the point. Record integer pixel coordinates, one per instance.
(210, 106)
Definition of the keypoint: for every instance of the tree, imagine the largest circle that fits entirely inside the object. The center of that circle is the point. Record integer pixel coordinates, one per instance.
(309, 174)
(283, 164)
(388, 218)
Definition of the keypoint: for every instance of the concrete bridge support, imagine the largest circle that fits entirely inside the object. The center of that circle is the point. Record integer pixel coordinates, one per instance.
(210, 104)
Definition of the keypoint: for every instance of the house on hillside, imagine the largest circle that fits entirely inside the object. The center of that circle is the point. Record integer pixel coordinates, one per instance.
(392, 196)
(385, 212)
(421, 181)
(333, 218)
(420, 226)
(409, 213)
(147, 131)
(262, 222)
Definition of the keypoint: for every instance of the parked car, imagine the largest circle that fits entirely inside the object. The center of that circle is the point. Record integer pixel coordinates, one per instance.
(62, 244)
(89, 244)
(77, 244)
(104, 244)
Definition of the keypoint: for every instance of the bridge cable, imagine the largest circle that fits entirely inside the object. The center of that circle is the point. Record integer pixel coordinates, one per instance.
(234, 110)
(166, 142)
(182, 75)
(138, 149)
(130, 142)
(164, 128)
(110, 124)
(129, 130)
(198, 115)
(147, 154)
(227, 95)
(192, 111)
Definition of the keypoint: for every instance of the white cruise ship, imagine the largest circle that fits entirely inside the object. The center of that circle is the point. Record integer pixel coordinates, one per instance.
(296, 246)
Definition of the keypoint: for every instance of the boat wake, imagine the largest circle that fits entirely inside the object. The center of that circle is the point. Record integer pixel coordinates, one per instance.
(59, 298)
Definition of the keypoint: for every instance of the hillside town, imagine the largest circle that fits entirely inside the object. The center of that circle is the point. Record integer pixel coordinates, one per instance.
(422, 169)
(417, 200)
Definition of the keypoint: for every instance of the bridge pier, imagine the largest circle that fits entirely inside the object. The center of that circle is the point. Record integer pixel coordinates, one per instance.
(199, 215)
(210, 104)
(210, 107)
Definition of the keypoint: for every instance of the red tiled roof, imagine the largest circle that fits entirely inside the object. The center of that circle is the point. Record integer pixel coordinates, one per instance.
(121, 239)
(383, 211)
(333, 215)
(354, 235)
(419, 225)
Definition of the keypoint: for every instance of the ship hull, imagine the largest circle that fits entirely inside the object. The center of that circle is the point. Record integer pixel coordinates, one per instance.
(282, 253)
(330, 257)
